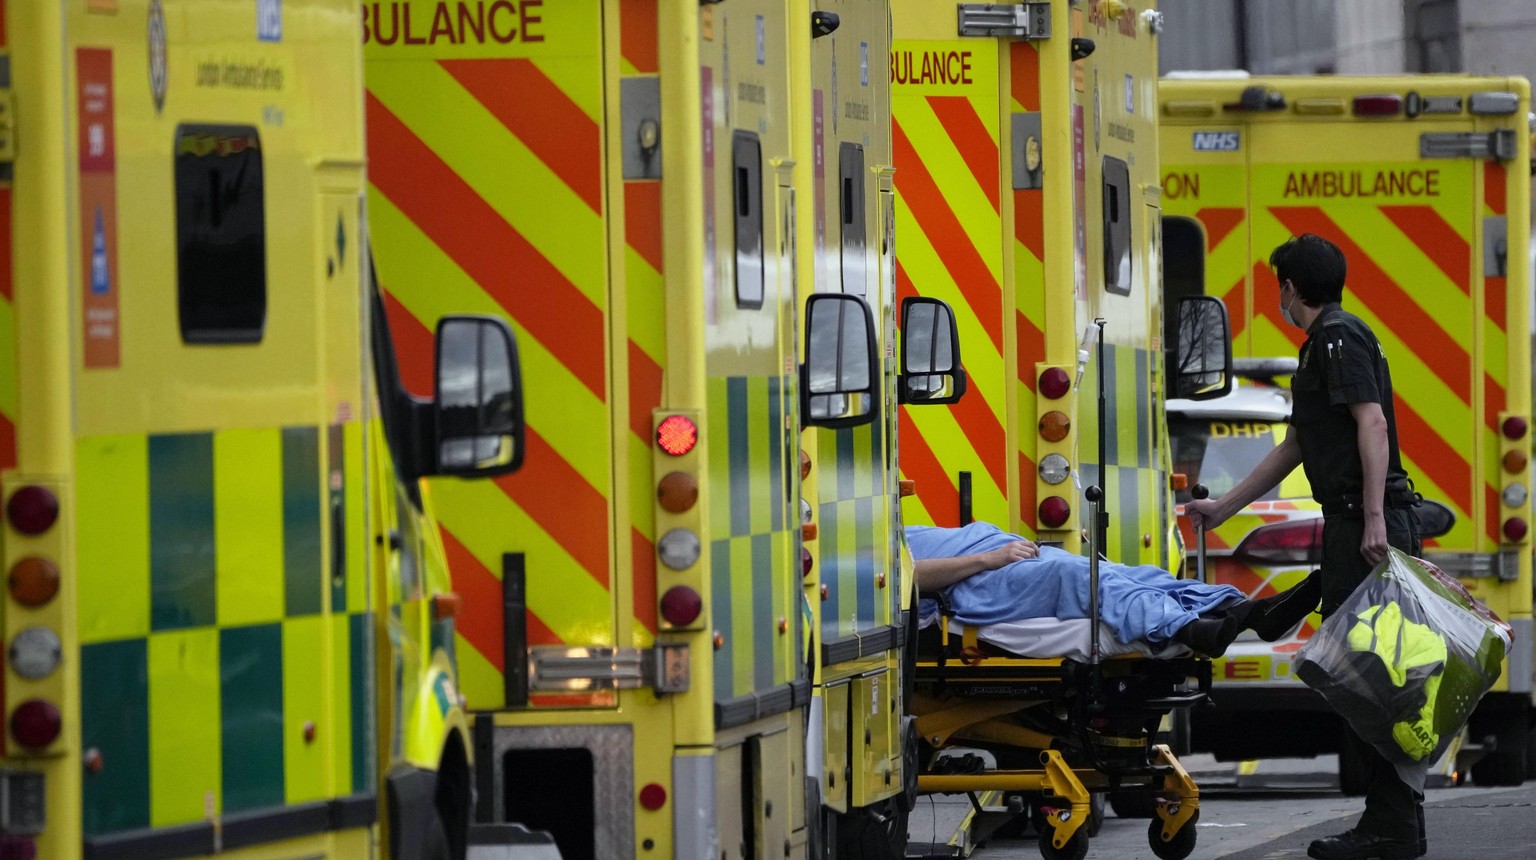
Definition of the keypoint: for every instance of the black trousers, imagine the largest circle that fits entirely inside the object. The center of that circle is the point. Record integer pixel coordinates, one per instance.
(1392, 808)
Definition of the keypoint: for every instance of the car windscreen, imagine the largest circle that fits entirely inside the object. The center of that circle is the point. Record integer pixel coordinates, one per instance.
(1219, 452)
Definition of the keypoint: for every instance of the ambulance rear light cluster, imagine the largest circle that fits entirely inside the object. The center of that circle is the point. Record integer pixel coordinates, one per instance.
(679, 577)
(1055, 429)
(1382, 104)
(1514, 497)
(35, 649)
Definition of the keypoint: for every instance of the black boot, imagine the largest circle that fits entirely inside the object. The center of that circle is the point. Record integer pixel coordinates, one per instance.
(1274, 616)
(1209, 636)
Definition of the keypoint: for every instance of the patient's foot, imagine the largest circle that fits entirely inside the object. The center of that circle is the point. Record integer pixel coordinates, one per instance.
(1209, 636)
(1274, 616)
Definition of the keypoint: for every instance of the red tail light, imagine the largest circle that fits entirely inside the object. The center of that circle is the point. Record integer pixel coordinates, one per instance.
(653, 796)
(1054, 382)
(1515, 529)
(806, 562)
(1054, 512)
(677, 435)
(681, 606)
(32, 510)
(1299, 542)
(1378, 105)
(36, 723)
(1514, 427)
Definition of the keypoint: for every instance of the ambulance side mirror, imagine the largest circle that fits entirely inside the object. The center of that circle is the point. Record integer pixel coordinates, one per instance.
(838, 381)
(479, 403)
(930, 353)
(1202, 368)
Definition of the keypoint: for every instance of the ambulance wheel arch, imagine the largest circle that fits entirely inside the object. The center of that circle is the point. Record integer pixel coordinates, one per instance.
(428, 792)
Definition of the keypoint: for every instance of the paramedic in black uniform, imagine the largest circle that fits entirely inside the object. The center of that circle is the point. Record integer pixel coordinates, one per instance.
(1344, 434)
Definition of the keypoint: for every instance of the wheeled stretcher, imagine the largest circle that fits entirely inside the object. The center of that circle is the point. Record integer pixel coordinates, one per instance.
(1066, 712)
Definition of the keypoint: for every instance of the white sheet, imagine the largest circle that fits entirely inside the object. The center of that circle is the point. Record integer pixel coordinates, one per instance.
(1057, 638)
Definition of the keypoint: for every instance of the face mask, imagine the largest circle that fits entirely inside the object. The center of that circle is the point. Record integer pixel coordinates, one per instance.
(1285, 310)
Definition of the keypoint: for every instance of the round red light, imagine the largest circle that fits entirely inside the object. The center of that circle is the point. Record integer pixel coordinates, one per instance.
(36, 723)
(1054, 383)
(677, 435)
(32, 510)
(653, 797)
(806, 562)
(1514, 427)
(1515, 529)
(681, 605)
(1054, 512)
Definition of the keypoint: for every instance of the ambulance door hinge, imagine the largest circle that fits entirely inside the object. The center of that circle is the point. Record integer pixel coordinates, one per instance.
(7, 127)
(1499, 145)
(640, 126)
(1016, 20)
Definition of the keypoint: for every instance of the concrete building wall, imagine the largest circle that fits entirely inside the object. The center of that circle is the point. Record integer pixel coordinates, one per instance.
(1371, 38)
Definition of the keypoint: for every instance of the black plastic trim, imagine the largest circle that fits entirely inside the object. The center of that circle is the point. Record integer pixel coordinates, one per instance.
(239, 831)
(860, 645)
(755, 706)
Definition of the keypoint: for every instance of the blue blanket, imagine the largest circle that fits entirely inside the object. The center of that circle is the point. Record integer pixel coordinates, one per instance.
(1140, 603)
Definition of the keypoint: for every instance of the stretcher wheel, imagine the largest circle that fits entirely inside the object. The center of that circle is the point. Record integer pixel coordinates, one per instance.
(1075, 849)
(1179, 846)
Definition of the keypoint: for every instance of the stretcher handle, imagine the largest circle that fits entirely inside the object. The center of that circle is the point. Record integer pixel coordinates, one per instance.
(1200, 491)
(1095, 498)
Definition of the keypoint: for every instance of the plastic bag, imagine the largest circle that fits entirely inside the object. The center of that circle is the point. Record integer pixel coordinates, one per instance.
(1405, 660)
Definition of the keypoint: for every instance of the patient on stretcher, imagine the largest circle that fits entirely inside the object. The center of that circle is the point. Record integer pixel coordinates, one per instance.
(990, 576)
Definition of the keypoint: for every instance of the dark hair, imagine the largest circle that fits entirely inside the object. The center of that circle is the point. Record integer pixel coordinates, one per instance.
(1314, 265)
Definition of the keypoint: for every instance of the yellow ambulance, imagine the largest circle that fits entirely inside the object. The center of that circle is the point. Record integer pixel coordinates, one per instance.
(1424, 182)
(682, 620)
(227, 615)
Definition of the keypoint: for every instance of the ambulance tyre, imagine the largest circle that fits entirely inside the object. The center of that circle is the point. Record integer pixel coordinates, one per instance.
(1075, 849)
(1510, 730)
(416, 827)
(874, 832)
(1180, 846)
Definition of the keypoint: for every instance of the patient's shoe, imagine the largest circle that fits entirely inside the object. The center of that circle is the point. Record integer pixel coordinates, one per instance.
(1274, 616)
(1209, 636)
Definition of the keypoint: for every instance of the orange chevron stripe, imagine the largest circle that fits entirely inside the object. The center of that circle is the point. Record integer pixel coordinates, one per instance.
(7, 443)
(542, 116)
(637, 35)
(985, 434)
(1438, 241)
(645, 378)
(1394, 306)
(505, 264)
(484, 626)
(1495, 188)
(1219, 221)
(550, 492)
(1029, 221)
(6, 261)
(415, 350)
(971, 140)
(1031, 344)
(644, 579)
(938, 222)
(933, 486)
(1029, 497)
(564, 505)
(1024, 74)
(1439, 461)
(1495, 297)
(1267, 306)
(642, 220)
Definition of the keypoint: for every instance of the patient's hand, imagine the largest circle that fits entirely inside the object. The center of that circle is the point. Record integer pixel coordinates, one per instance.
(1003, 556)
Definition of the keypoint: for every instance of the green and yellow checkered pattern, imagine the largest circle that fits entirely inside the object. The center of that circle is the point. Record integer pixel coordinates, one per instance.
(217, 622)
(754, 579)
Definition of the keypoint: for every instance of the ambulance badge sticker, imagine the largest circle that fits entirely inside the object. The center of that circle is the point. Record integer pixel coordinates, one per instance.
(158, 68)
